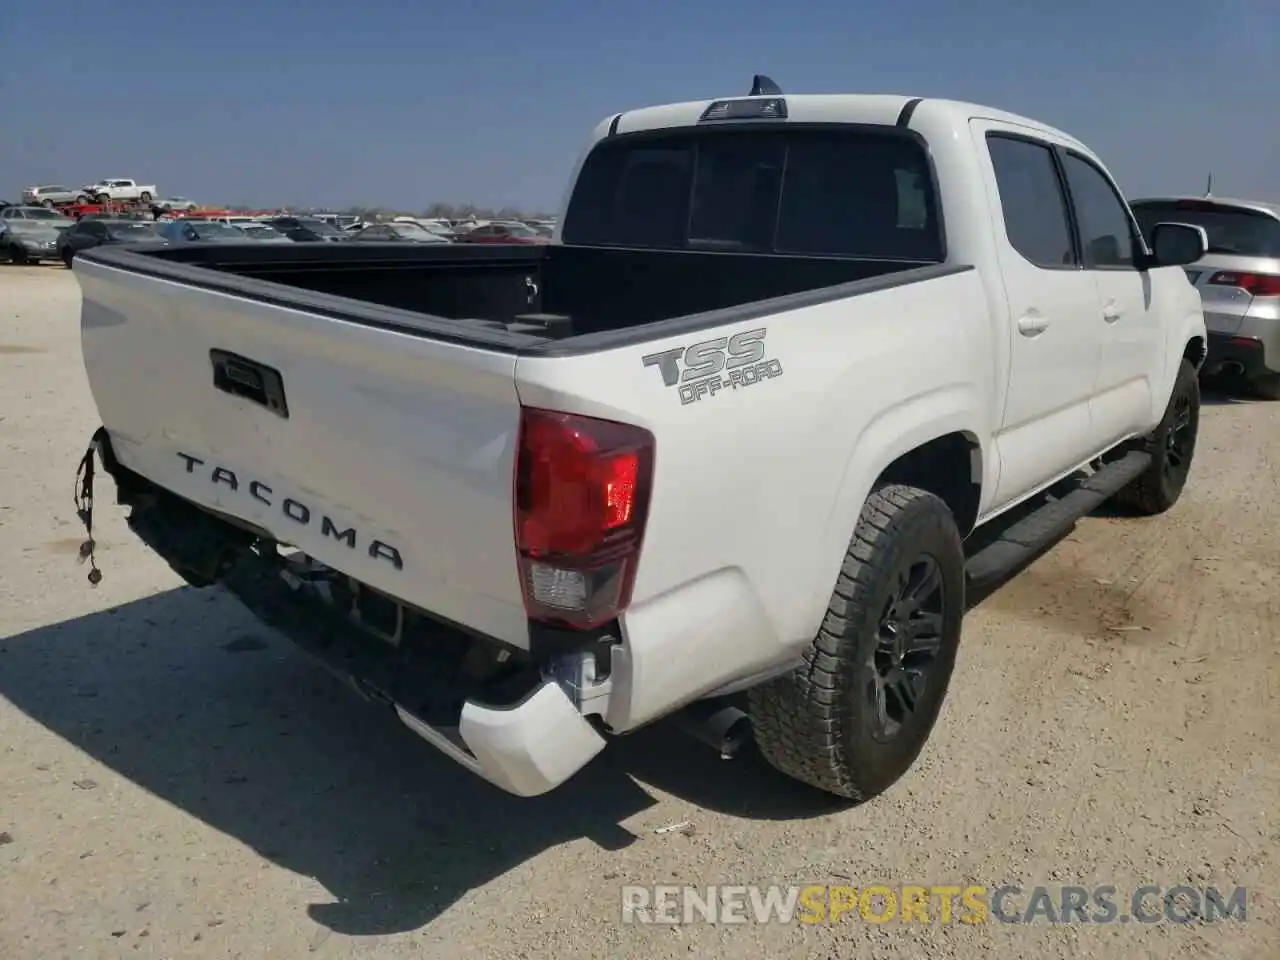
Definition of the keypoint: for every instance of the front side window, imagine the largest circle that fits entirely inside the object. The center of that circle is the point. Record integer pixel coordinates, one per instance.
(1106, 233)
(847, 192)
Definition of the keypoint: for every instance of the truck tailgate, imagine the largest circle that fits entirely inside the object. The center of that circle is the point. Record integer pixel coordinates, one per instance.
(389, 456)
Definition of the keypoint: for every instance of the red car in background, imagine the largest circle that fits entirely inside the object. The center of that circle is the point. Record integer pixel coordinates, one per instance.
(502, 233)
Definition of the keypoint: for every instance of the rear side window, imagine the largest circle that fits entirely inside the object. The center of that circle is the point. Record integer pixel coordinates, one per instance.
(1032, 201)
(1231, 230)
(840, 193)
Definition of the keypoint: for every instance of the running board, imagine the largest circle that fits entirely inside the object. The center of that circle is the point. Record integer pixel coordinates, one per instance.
(1027, 538)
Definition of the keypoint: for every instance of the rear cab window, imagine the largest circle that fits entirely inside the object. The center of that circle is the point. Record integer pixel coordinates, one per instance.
(1232, 230)
(851, 192)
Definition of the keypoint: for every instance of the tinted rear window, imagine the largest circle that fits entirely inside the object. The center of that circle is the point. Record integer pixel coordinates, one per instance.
(841, 193)
(131, 230)
(1231, 230)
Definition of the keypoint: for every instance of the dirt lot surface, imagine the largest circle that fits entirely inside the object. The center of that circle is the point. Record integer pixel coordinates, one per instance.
(176, 782)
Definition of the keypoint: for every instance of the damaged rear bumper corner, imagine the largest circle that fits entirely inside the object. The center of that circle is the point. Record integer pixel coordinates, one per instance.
(527, 745)
(526, 749)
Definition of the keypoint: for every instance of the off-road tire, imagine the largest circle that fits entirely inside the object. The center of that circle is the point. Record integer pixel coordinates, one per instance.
(1160, 486)
(816, 723)
(1267, 387)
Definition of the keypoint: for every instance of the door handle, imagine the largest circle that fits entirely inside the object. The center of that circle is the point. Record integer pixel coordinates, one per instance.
(1032, 325)
(1111, 313)
(242, 377)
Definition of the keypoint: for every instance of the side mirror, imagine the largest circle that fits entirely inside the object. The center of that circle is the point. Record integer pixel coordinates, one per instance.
(1178, 244)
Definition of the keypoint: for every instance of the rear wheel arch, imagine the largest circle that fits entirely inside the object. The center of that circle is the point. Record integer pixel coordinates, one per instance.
(1196, 352)
(950, 467)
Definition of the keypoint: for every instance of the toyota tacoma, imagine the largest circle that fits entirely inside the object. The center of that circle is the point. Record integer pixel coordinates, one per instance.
(717, 451)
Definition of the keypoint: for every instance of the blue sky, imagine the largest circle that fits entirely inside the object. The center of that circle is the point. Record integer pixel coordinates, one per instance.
(395, 102)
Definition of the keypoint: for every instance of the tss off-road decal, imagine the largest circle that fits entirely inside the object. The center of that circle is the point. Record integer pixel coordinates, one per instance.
(725, 363)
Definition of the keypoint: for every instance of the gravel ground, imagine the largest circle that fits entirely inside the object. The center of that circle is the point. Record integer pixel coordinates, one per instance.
(176, 782)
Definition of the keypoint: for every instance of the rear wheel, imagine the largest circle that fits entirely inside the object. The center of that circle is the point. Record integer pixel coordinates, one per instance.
(47, 204)
(1172, 446)
(145, 196)
(852, 720)
(67, 256)
(17, 255)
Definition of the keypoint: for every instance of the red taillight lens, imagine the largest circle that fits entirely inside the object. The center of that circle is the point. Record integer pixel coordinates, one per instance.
(582, 490)
(1257, 284)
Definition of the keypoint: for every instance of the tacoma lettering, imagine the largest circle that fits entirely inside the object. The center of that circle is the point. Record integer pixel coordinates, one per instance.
(295, 510)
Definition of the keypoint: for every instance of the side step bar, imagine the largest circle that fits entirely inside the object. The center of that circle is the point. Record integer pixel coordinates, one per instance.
(1023, 541)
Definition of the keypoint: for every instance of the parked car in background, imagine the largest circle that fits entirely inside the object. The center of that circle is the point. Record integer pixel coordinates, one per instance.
(176, 204)
(97, 231)
(503, 233)
(52, 194)
(397, 233)
(119, 188)
(188, 230)
(438, 227)
(342, 221)
(306, 229)
(1238, 280)
(262, 232)
(30, 234)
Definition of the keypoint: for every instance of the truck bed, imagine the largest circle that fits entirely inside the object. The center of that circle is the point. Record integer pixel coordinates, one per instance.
(362, 403)
(595, 290)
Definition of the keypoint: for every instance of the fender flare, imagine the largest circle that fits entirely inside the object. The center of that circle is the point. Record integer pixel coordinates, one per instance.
(1191, 328)
(895, 431)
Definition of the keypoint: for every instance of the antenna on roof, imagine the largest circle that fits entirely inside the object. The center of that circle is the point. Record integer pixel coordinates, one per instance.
(1208, 187)
(762, 86)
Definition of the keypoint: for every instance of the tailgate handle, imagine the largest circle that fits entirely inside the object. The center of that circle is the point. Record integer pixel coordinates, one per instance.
(242, 377)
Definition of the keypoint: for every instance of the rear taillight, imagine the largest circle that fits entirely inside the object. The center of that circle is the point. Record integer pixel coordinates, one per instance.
(582, 490)
(1257, 284)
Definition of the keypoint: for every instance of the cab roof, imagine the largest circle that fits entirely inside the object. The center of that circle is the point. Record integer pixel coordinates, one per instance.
(834, 108)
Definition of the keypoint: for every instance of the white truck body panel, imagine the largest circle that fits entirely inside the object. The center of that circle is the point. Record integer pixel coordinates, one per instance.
(737, 568)
(437, 489)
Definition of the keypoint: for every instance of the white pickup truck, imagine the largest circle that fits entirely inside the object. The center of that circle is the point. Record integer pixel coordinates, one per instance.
(714, 452)
(117, 189)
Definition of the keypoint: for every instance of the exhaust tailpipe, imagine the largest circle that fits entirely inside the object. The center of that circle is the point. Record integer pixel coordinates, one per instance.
(1233, 368)
(717, 724)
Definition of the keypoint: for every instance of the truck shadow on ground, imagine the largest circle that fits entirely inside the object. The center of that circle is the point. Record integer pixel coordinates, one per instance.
(184, 695)
(1223, 391)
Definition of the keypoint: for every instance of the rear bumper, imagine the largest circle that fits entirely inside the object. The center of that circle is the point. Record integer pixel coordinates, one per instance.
(527, 750)
(37, 251)
(1247, 356)
(524, 734)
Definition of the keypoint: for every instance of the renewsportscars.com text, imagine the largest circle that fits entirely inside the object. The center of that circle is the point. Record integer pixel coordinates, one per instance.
(967, 904)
